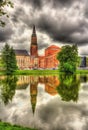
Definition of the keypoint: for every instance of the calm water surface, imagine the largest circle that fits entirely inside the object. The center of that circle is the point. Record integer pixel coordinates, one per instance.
(45, 102)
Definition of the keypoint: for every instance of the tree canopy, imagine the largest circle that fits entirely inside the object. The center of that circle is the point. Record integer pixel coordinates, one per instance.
(8, 59)
(69, 87)
(68, 57)
(3, 4)
(8, 88)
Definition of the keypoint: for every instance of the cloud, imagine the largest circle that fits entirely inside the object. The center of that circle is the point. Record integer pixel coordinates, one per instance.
(36, 4)
(5, 34)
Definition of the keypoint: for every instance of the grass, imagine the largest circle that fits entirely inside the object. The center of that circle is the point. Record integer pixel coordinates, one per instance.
(82, 72)
(8, 126)
(36, 72)
(42, 72)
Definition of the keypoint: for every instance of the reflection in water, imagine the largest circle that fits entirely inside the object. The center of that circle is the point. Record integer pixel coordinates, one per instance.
(8, 88)
(50, 83)
(83, 78)
(69, 87)
(51, 113)
(33, 91)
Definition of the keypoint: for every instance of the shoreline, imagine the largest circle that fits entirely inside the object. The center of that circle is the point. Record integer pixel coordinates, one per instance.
(8, 126)
(43, 72)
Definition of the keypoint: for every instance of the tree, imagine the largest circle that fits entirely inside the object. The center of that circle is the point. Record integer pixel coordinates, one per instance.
(8, 88)
(68, 57)
(8, 59)
(3, 4)
(69, 87)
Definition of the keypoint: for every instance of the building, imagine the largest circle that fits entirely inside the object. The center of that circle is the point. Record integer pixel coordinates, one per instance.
(34, 50)
(23, 59)
(83, 61)
(51, 57)
(34, 61)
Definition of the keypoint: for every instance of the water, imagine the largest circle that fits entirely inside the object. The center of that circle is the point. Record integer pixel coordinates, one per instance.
(45, 102)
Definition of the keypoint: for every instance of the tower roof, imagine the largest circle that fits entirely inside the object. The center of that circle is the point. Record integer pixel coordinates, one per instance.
(21, 52)
(34, 31)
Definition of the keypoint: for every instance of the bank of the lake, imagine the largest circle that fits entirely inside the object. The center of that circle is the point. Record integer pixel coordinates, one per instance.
(43, 72)
(7, 126)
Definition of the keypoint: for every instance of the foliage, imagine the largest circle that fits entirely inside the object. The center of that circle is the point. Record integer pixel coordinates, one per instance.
(3, 4)
(8, 59)
(8, 88)
(69, 87)
(68, 57)
(8, 126)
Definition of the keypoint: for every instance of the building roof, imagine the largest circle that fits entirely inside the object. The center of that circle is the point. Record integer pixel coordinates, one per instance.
(53, 47)
(21, 52)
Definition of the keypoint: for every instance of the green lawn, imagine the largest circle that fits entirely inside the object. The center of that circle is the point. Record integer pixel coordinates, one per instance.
(42, 72)
(37, 72)
(7, 126)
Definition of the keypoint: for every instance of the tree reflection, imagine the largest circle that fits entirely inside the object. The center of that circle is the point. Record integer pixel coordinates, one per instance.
(8, 88)
(69, 87)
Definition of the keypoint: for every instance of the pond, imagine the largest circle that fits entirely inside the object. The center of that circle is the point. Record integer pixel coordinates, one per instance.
(45, 102)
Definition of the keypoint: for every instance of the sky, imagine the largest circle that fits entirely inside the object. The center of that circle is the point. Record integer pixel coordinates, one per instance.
(58, 22)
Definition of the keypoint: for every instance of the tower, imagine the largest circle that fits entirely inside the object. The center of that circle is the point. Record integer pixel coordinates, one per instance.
(34, 47)
(33, 92)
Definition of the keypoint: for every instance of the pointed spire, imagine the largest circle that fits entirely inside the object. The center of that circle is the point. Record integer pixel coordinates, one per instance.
(33, 108)
(34, 31)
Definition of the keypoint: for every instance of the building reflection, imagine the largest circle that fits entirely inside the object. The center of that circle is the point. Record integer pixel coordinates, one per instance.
(66, 86)
(83, 78)
(33, 91)
(23, 82)
(51, 83)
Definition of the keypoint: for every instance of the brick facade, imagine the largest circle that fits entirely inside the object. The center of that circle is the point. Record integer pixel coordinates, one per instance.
(49, 61)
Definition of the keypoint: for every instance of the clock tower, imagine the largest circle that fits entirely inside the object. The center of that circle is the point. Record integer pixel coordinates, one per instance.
(34, 46)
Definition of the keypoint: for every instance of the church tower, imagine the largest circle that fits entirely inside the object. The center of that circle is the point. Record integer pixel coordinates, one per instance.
(33, 92)
(34, 46)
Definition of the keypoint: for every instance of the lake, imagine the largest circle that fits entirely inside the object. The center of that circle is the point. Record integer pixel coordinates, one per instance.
(45, 102)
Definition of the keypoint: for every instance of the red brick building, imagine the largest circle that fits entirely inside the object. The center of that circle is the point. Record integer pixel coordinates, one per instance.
(49, 60)
(33, 61)
(34, 50)
(51, 57)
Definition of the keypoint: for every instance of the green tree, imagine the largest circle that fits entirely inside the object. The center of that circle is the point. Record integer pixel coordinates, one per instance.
(69, 87)
(8, 59)
(3, 4)
(8, 88)
(68, 57)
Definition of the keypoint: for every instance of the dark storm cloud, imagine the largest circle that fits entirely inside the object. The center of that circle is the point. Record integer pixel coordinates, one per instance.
(62, 3)
(64, 31)
(5, 34)
(19, 12)
(63, 21)
(59, 113)
(42, 45)
(86, 9)
(36, 4)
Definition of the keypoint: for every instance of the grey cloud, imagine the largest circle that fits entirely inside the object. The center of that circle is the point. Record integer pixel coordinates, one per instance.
(61, 27)
(63, 30)
(19, 12)
(60, 115)
(62, 3)
(5, 34)
(42, 45)
(36, 4)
